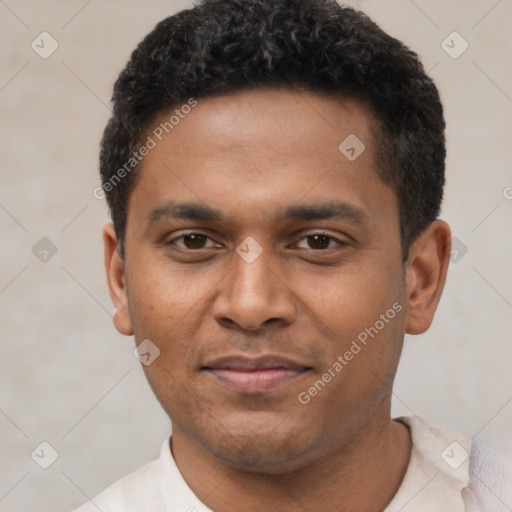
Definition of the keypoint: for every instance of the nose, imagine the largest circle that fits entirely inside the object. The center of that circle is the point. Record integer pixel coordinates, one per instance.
(253, 295)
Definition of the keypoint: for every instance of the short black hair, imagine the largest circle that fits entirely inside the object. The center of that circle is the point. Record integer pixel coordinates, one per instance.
(223, 46)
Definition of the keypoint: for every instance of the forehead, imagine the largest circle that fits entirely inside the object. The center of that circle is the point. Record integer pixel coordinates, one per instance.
(258, 150)
(255, 115)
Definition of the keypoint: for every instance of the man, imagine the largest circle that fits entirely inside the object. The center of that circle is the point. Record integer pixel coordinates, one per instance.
(274, 171)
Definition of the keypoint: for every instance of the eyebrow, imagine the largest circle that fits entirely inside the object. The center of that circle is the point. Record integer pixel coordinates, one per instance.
(184, 210)
(323, 211)
(305, 212)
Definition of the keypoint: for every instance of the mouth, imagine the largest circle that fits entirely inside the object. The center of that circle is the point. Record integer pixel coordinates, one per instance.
(254, 375)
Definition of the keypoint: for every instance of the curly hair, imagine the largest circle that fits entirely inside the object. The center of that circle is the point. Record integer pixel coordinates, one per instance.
(221, 46)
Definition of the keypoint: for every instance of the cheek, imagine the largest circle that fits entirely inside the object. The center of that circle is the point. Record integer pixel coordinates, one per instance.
(164, 298)
(360, 315)
(170, 306)
(352, 298)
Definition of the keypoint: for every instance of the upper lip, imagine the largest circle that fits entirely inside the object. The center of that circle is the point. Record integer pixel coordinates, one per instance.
(247, 364)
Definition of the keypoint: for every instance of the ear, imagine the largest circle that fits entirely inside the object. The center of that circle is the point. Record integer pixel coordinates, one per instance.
(114, 267)
(427, 265)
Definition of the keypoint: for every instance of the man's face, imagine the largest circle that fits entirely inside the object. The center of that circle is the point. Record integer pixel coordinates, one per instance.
(257, 252)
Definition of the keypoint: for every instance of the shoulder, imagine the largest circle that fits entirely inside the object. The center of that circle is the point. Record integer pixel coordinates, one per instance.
(134, 492)
(466, 474)
(490, 485)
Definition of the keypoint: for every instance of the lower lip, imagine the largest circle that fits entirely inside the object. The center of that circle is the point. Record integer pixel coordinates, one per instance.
(255, 381)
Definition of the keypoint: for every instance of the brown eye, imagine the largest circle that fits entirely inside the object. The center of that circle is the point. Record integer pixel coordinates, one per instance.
(194, 241)
(318, 241)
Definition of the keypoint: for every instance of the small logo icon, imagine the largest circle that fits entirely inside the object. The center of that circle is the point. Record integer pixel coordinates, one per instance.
(146, 352)
(249, 250)
(351, 147)
(454, 45)
(44, 250)
(454, 455)
(44, 45)
(44, 455)
(458, 251)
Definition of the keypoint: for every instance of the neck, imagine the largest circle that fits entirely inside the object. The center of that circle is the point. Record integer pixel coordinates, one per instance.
(363, 475)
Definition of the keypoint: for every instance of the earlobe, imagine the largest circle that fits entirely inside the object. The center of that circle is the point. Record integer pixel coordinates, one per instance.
(114, 267)
(426, 270)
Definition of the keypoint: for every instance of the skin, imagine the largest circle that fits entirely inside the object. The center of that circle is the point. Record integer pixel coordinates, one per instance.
(250, 156)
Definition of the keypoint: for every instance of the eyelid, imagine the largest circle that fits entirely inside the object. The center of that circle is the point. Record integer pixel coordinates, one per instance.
(339, 241)
(172, 241)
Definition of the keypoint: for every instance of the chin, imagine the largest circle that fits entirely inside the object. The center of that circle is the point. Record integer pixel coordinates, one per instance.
(256, 455)
(271, 448)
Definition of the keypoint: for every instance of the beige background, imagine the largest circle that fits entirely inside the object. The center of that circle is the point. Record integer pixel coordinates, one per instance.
(69, 379)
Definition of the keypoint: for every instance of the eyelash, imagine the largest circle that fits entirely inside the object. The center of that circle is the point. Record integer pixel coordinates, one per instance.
(339, 243)
(331, 238)
(172, 242)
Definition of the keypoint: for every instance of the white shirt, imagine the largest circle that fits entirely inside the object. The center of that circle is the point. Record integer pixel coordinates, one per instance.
(437, 479)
